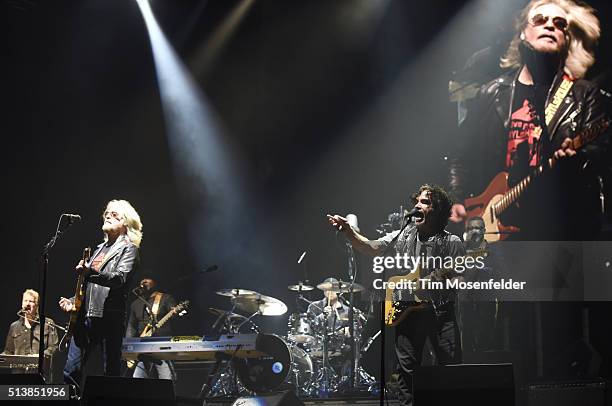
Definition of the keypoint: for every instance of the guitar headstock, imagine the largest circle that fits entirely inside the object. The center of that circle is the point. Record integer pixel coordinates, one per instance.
(181, 308)
(86, 254)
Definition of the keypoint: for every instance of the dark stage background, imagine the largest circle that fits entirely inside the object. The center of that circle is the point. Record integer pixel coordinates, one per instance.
(328, 106)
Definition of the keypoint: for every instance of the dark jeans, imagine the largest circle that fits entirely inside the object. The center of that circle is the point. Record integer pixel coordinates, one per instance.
(93, 331)
(410, 336)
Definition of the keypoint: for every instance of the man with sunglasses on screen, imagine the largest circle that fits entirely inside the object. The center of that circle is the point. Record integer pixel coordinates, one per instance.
(531, 114)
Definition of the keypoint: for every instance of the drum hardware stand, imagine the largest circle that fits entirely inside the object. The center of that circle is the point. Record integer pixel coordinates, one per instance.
(248, 320)
(327, 372)
(222, 378)
(352, 273)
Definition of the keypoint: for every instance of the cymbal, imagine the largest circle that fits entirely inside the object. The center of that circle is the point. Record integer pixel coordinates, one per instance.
(339, 287)
(300, 287)
(235, 292)
(265, 305)
(231, 315)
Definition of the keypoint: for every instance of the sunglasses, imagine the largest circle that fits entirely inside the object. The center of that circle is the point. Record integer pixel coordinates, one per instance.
(560, 23)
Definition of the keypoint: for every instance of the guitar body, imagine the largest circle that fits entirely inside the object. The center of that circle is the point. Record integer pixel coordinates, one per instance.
(497, 197)
(482, 206)
(79, 295)
(397, 308)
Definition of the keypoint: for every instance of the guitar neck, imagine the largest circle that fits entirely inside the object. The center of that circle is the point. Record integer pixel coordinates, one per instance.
(512, 195)
(165, 319)
(583, 138)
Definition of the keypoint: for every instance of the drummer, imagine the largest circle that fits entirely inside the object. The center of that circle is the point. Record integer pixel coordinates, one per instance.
(330, 306)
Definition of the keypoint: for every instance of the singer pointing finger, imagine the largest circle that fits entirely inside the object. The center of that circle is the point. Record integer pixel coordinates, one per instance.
(424, 236)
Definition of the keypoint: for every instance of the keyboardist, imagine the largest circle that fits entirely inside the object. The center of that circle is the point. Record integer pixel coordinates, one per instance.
(24, 334)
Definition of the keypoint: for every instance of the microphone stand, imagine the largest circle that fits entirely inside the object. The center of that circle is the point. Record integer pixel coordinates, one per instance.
(43, 290)
(351, 314)
(383, 325)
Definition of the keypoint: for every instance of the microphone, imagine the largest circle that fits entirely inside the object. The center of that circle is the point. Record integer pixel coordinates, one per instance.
(412, 213)
(72, 217)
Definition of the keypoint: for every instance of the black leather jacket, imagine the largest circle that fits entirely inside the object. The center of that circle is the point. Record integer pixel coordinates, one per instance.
(573, 186)
(107, 290)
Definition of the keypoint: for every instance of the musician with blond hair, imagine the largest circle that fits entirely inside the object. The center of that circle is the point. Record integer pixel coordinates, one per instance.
(108, 273)
(534, 112)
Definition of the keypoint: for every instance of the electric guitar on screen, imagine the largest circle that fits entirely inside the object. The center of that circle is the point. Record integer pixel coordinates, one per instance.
(498, 197)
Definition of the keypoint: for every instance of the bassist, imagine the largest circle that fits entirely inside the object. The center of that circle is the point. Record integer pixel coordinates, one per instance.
(146, 311)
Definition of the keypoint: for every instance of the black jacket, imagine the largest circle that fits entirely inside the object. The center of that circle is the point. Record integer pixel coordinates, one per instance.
(139, 317)
(574, 186)
(21, 340)
(107, 290)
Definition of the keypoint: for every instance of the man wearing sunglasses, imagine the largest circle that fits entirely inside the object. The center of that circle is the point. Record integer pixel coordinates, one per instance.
(529, 115)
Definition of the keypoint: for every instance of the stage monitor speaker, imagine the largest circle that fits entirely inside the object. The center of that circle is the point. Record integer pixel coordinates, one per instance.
(275, 399)
(583, 393)
(103, 390)
(465, 384)
(21, 379)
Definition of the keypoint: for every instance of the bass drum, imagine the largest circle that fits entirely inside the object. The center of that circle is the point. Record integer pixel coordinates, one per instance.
(267, 372)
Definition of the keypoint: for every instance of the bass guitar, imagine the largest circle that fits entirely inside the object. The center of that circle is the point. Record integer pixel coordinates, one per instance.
(498, 196)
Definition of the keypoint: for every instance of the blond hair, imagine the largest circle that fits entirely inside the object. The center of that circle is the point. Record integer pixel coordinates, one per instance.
(582, 34)
(34, 294)
(132, 220)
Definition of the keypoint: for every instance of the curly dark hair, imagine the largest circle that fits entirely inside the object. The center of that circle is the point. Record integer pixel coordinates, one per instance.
(441, 203)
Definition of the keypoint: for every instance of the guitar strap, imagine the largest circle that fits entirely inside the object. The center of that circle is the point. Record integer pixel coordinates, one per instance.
(557, 99)
(156, 302)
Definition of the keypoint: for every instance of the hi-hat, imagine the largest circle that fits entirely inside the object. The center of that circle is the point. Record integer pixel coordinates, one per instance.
(235, 292)
(265, 305)
(300, 287)
(340, 287)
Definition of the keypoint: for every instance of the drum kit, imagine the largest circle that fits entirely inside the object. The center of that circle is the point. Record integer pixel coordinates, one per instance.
(315, 357)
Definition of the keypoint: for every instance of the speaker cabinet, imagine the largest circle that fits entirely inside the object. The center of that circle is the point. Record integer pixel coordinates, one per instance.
(583, 393)
(103, 390)
(276, 399)
(465, 384)
(21, 379)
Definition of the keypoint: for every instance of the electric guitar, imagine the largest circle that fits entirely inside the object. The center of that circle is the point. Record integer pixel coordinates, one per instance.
(79, 295)
(399, 303)
(178, 310)
(497, 197)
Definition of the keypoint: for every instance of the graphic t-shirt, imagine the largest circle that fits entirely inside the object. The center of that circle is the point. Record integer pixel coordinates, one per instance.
(523, 148)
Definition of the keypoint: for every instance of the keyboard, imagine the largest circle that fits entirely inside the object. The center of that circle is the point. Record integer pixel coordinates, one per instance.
(191, 348)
